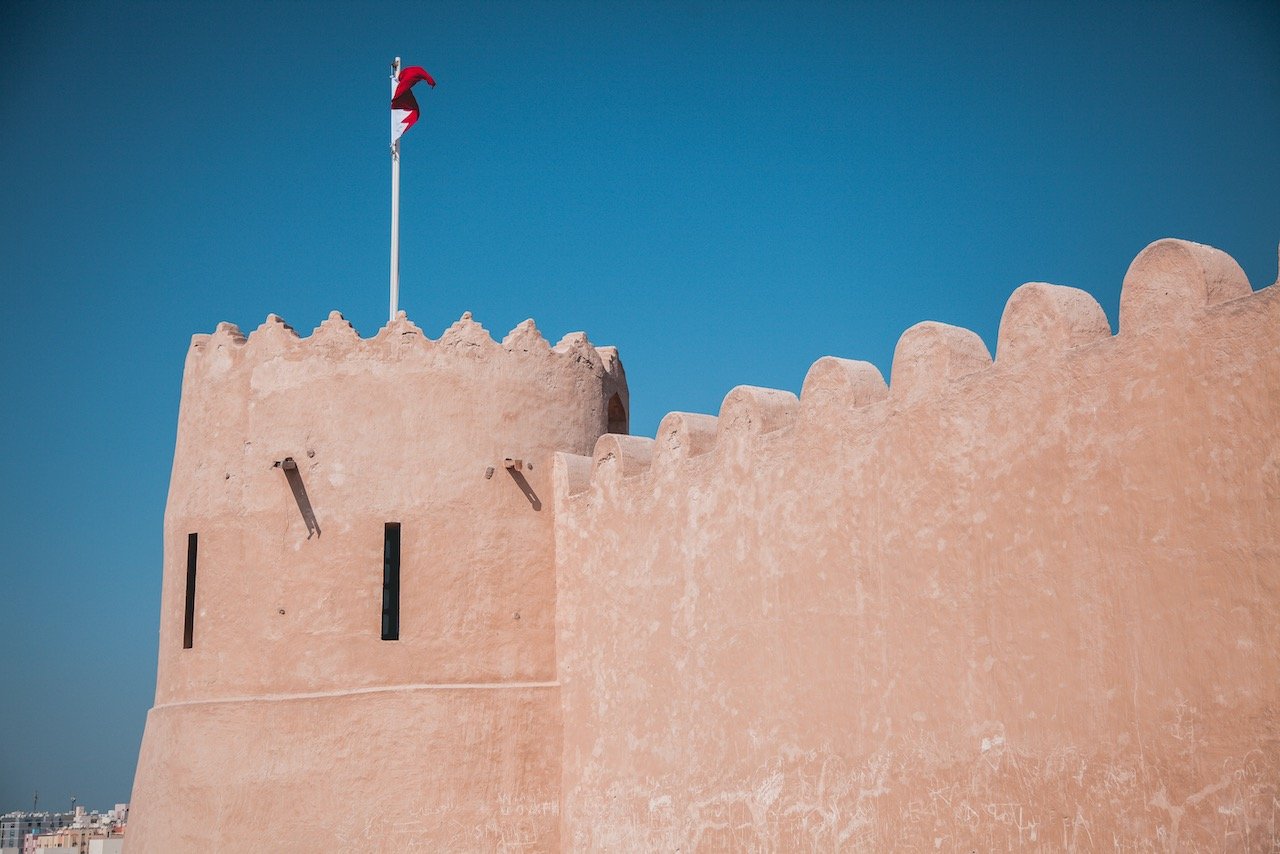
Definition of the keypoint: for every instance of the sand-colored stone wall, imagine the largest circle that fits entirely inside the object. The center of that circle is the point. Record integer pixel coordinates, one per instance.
(1026, 603)
(290, 720)
(1023, 604)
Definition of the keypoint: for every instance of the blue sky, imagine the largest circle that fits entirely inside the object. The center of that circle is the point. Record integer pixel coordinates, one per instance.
(726, 191)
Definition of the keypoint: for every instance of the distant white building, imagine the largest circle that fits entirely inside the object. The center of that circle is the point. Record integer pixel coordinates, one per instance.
(15, 826)
(84, 833)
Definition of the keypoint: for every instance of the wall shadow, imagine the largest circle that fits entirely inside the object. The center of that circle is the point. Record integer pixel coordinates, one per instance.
(299, 490)
(521, 482)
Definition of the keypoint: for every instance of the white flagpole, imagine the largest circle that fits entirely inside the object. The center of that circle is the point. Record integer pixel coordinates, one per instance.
(395, 199)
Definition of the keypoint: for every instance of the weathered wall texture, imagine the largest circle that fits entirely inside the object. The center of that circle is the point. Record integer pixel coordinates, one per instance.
(1028, 604)
(1024, 604)
(290, 725)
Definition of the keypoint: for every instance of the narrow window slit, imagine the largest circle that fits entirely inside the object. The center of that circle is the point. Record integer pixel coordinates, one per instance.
(189, 615)
(391, 582)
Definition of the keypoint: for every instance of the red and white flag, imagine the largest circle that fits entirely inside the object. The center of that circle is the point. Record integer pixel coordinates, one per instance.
(404, 107)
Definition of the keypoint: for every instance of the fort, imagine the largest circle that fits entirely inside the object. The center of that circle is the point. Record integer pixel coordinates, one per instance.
(429, 595)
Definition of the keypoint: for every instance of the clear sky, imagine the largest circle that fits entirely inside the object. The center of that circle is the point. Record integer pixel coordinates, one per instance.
(726, 191)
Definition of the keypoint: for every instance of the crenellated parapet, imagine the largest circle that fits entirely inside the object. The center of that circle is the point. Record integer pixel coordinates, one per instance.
(337, 339)
(1174, 292)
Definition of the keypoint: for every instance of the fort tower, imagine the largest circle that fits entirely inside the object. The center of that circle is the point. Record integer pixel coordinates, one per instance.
(358, 613)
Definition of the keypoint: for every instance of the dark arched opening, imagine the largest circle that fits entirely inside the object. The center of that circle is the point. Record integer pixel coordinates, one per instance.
(617, 416)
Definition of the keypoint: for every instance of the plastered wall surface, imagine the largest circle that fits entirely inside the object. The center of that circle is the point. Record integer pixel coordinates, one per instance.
(290, 723)
(433, 768)
(1023, 604)
(1029, 603)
